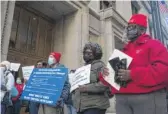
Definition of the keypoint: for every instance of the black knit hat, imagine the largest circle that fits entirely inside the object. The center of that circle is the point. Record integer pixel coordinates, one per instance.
(96, 48)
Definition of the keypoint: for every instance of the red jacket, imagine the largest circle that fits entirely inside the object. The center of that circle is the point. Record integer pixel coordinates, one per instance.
(19, 87)
(149, 67)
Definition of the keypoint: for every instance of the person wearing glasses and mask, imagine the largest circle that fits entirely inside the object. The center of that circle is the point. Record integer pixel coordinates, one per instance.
(147, 75)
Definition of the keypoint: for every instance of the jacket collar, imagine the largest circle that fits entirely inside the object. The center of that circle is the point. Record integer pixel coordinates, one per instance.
(92, 62)
(140, 40)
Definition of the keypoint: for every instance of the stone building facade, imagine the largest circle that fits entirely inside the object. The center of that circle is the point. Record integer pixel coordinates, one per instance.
(30, 30)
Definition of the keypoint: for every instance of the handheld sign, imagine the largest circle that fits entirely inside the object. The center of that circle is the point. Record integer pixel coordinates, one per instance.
(45, 85)
(27, 70)
(15, 66)
(80, 77)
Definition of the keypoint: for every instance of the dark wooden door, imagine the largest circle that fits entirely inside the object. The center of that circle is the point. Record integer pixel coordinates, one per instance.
(31, 37)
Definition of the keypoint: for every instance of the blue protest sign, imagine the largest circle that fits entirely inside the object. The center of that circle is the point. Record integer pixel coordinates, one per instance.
(45, 85)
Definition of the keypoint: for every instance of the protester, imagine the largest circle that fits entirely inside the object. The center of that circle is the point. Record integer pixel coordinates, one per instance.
(19, 84)
(54, 62)
(41, 64)
(14, 93)
(145, 92)
(92, 98)
(33, 106)
(7, 83)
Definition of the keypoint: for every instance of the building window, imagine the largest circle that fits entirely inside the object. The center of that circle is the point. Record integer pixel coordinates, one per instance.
(107, 4)
(135, 7)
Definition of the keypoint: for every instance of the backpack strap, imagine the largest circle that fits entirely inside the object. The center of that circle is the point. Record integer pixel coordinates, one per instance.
(5, 76)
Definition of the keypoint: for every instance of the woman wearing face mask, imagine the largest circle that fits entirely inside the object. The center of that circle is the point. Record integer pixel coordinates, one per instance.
(92, 98)
(16, 102)
(54, 62)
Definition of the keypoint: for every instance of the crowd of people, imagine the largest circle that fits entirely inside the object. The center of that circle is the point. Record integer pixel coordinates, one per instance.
(146, 77)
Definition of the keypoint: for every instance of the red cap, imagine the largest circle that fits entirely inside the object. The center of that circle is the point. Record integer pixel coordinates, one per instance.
(138, 19)
(56, 55)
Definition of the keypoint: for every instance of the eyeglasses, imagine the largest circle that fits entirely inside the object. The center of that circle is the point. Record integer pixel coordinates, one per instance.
(87, 52)
(39, 64)
(130, 27)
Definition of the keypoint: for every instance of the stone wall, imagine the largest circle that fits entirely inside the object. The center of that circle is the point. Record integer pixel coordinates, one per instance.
(7, 10)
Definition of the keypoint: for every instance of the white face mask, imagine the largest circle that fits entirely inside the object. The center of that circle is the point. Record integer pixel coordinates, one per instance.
(18, 81)
(51, 60)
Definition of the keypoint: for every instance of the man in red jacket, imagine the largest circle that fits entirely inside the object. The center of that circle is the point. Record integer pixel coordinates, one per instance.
(147, 74)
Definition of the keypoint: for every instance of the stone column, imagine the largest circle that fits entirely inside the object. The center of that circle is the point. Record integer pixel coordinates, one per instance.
(108, 38)
(7, 10)
(108, 47)
(71, 33)
(3, 12)
(84, 37)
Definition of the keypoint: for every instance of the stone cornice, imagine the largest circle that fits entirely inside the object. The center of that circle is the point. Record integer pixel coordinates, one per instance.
(79, 4)
(85, 2)
(95, 14)
(111, 13)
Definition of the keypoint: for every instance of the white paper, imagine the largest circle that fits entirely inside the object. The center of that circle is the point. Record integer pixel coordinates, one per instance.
(27, 70)
(14, 66)
(110, 78)
(80, 77)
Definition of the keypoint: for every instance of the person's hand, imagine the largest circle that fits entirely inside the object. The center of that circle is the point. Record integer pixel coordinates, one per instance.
(82, 88)
(105, 72)
(124, 75)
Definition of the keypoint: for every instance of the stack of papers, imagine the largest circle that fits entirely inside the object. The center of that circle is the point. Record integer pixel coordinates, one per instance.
(110, 78)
